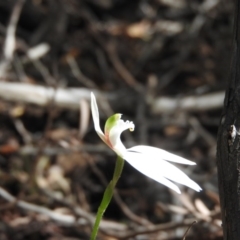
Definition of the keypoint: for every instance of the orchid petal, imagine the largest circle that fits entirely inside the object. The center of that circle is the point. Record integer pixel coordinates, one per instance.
(95, 115)
(164, 155)
(158, 169)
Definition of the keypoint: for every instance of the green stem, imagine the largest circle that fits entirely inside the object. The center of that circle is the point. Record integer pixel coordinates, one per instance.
(107, 196)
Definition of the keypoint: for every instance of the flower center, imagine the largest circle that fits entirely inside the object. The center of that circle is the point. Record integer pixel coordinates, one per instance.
(115, 132)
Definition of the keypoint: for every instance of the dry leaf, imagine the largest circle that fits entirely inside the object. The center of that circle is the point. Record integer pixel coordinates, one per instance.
(17, 111)
(139, 30)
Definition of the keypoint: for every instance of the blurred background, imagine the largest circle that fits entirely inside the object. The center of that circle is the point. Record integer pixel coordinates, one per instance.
(163, 64)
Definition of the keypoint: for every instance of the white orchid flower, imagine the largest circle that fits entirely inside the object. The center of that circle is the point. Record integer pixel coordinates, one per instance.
(152, 162)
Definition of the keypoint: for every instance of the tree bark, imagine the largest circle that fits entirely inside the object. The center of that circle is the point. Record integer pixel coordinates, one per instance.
(228, 143)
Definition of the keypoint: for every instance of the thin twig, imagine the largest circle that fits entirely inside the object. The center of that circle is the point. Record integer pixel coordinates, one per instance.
(10, 41)
(184, 236)
(78, 73)
(156, 228)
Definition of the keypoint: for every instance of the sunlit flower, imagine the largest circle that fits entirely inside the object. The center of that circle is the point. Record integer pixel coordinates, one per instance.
(152, 162)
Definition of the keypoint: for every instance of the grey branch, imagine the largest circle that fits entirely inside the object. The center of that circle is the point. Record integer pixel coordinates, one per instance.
(204, 102)
(66, 220)
(42, 96)
(70, 97)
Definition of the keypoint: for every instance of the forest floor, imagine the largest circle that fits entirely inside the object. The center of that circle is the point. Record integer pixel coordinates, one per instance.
(163, 64)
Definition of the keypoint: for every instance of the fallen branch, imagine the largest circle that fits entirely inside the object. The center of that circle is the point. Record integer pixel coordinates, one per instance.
(84, 218)
(42, 96)
(70, 97)
(205, 102)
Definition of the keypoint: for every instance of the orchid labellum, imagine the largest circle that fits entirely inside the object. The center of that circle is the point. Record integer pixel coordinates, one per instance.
(152, 162)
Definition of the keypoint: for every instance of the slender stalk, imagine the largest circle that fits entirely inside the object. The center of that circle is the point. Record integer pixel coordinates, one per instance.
(107, 196)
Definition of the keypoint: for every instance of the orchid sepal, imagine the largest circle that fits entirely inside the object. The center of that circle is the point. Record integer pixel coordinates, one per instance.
(95, 115)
